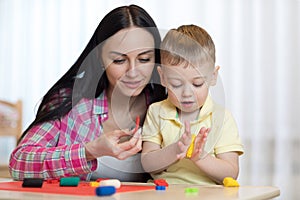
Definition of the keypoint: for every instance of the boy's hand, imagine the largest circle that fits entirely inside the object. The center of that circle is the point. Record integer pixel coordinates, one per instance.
(185, 141)
(199, 144)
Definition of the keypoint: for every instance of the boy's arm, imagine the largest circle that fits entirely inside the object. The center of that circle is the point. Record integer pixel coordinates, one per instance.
(156, 159)
(221, 166)
(227, 151)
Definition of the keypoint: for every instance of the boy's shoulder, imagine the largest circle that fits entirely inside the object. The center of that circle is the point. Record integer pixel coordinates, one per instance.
(218, 110)
(164, 109)
(221, 114)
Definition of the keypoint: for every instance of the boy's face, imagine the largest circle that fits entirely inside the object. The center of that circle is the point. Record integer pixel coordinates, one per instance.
(188, 86)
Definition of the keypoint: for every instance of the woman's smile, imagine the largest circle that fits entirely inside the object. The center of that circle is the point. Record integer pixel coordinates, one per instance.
(132, 84)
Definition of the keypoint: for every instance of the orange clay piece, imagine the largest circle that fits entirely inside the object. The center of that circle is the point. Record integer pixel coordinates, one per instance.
(230, 182)
(191, 147)
(137, 123)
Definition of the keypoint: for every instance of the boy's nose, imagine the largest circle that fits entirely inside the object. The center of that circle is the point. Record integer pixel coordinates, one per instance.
(187, 91)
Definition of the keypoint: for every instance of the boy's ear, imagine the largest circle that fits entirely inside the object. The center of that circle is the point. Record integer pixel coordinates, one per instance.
(215, 76)
(161, 76)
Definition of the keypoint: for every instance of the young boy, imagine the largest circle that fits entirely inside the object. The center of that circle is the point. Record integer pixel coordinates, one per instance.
(188, 138)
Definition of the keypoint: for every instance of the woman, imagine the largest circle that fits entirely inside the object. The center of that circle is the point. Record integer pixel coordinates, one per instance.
(89, 113)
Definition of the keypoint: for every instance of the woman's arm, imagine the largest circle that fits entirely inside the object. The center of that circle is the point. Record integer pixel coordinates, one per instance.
(38, 155)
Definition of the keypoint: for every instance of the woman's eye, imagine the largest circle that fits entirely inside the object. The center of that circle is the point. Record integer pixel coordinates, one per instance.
(118, 61)
(144, 60)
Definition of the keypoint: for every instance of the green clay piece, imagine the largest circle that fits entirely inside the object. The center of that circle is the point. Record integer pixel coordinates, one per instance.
(191, 190)
(69, 181)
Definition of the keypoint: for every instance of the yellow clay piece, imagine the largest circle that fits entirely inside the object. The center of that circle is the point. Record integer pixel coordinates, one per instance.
(94, 184)
(191, 147)
(230, 182)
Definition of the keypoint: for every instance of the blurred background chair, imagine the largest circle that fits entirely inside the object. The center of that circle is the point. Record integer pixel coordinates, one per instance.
(10, 130)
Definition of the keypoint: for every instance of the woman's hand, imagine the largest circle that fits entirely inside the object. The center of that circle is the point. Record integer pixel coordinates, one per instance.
(108, 144)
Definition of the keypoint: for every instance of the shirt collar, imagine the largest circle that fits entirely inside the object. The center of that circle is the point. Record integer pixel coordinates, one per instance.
(207, 108)
(168, 110)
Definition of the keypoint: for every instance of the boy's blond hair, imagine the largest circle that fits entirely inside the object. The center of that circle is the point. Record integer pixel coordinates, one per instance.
(188, 44)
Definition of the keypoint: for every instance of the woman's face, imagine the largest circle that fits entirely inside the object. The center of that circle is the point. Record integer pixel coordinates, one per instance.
(129, 59)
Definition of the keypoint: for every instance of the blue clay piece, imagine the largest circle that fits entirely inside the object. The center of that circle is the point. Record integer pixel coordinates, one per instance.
(105, 190)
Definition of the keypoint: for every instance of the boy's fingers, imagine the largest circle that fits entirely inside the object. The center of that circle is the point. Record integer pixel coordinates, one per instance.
(186, 139)
(180, 156)
(201, 138)
(181, 146)
(204, 130)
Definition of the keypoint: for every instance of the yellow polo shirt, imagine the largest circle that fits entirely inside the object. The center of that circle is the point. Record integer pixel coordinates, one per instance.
(163, 127)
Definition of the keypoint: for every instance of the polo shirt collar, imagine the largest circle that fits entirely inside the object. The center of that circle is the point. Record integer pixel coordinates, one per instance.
(206, 109)
(168, 111)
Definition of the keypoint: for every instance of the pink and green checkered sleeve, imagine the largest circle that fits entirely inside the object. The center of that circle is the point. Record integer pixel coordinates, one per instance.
(38, 155)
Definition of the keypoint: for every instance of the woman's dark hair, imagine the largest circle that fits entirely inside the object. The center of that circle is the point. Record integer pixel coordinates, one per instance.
(58, 101)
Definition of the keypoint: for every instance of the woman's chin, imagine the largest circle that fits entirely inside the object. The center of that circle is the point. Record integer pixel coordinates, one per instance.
(131, 91)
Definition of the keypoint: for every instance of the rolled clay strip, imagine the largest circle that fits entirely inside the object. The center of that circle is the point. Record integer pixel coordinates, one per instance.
(111, 182)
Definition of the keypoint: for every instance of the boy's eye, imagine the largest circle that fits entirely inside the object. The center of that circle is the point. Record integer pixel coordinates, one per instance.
(199, 85)
(176, 86)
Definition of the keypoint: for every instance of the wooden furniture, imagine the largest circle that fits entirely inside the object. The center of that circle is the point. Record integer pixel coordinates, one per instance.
(10, 125)
(172, 192)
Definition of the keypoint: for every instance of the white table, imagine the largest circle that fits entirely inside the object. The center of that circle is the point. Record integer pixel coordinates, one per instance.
(172, 192)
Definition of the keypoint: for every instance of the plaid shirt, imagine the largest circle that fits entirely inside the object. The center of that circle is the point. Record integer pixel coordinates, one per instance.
(56, 148)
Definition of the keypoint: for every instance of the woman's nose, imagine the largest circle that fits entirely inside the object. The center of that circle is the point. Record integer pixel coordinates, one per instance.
(132, 70)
